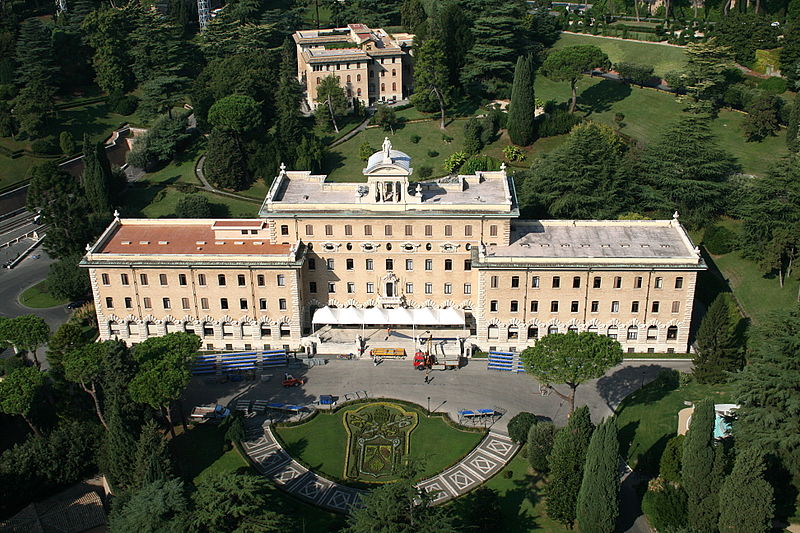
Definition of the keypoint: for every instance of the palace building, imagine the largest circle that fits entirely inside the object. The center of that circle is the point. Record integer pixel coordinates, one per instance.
(326, 263)
(371, 64)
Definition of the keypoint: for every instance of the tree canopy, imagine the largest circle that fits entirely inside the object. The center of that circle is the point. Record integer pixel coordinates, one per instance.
(569, 64)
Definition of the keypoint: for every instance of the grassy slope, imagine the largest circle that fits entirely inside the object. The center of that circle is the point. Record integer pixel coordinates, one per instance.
(648, 418)
(321, 443)
(158, 201)
(663, 58)
(37, 297)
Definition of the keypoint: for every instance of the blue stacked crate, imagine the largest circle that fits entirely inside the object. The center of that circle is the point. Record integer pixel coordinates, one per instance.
(238, 361)
(273, 358)
(519, 366)
(501, 361)
(205, 364)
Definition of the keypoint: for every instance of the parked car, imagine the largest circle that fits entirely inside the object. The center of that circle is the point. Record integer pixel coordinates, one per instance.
(76, 304)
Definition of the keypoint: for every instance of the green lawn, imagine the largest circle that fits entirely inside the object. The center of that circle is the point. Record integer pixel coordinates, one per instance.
(321, 443)
(37, 297)
(180, 169)
(648, 418)
(663, 58)
(521, 500)
(159, 201)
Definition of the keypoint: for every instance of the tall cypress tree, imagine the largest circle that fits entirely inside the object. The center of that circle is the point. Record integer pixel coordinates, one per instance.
(226, 163)
(699, 472)
(793, 128)
(521, 126)
(745, 499)
(34, 54)
(566, 467)
(540, 445)
(117, 458)
(152, 457)
(288, 130)
(718, 347)
(96, 177)
(598, 505)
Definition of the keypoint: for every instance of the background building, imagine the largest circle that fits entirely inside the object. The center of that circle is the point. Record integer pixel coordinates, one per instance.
(328, 261)
(371, 64)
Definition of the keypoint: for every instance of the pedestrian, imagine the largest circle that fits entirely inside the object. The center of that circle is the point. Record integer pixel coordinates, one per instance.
(375, 361)
(427, 375)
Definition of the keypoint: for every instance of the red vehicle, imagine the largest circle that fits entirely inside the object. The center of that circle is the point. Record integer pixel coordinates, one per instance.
(422, 361)
(291, 381)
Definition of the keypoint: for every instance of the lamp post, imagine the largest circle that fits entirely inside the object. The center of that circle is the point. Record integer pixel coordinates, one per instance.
(429, 406)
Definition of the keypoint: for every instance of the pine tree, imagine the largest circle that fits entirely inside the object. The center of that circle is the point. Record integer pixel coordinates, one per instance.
(746, 498)
(288, 130)
(700, 471)
(35, 54)
(540, 445)
(152, 457)
(718, 347)
(430, 79)
(96, 177)
(521, 125)
(566, 467)
(793, 128)
(226, 164)
(598, 505)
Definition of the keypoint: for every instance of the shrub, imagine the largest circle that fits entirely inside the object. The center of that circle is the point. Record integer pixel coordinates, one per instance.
(514, 153)
(9, 364)
(45, 146)
(540, 444)
(762, 118)
(454, 162)
(773, 85)
(519, 426)
(446, 138)
(193, 206)
(559, 122)
(676, 79)
(739, 96)
(66, 142)
(473, 130)
(122, 104)
(665, 507)
(425, 172)
(365, 151)
(480, 163)
(415, 139)
(670, 466)
(433, 153)
(719, 240)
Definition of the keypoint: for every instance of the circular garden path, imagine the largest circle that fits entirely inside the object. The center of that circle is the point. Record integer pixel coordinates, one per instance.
(269, 457)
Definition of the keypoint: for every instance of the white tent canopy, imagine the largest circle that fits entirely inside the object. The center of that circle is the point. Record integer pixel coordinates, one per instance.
(389, 317)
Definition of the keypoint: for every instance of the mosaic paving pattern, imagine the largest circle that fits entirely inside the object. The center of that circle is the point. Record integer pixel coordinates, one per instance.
(488, 458)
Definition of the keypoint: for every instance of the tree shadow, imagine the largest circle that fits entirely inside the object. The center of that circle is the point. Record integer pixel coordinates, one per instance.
(332, 161)
(625, 435)
(630, 499)
(197, 449)
(649, 461)
(600, 96)
(628, 379)
(220, 210)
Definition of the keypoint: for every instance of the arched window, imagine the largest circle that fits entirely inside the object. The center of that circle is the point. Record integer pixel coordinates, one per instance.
(318, 81)
(150, 328)
(652, 333)
(358, 91)
(394, 86)
(266, 330)
(612, 332)
(208, 329)
(552, 330)
(383, 87)
(591, 329)
(513, 332)
(348, 78)
(533, 332)
(672, 333)
(493, 332)
(284, 330)
(133, 328)
(113, 327)
(358, 77)
(227, 329)
(247, 330)
(189, 327)
(633, 333)
(572, 329)
(172, 327)
(394, 72)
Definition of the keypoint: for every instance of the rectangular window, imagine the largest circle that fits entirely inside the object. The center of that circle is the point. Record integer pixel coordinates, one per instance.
(165, 303)
(390, 264)
(309, 229)
(467, 231)
(223, 303)
(348, 264)
(204, 303)
(429, 288)
(595, 306)
(576, 282)
(535, 282)
(448, 264)
(348, 229)
(201, 280)
(514, 307)
(367, 230)
(637, 282)
(409, 230)
(428, 231)
(448, 288)
(676, 307)
(143, 279)
(221, 280)
(467, 288)
(514, 282)
(615, 307)
(260, 280)
(617, 282)
(241, 280)
(128, 303)
(182, 279)
(123, 279)
(312, 287)
(312, 264)
(262, 304)
(429, 264)
(162, 279)
(448, 230)
(105, 279)
(331, 287)
(370, 288)
(634, 307)
(493, 306)
(467, 264)
(655, 307)
(370, 264)
(596, 282)
(284, 230)
(679, 282)
(493, 282)
(351, 287)
(556, 282)
(282, 304)
(146, 302)
(409, 288)
(554, 306)
(659, 283)
(493, 231)
(281, 280)
(573, 306)
(329, 264)
(387, 230)
(672, 333)
(185, 303)
(633, 334)
(242, 303)
(534, 306)
(328, 229)
(409, 264)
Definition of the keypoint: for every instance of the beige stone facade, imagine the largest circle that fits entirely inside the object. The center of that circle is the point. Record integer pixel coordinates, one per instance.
(371, 64)
(452, 244)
